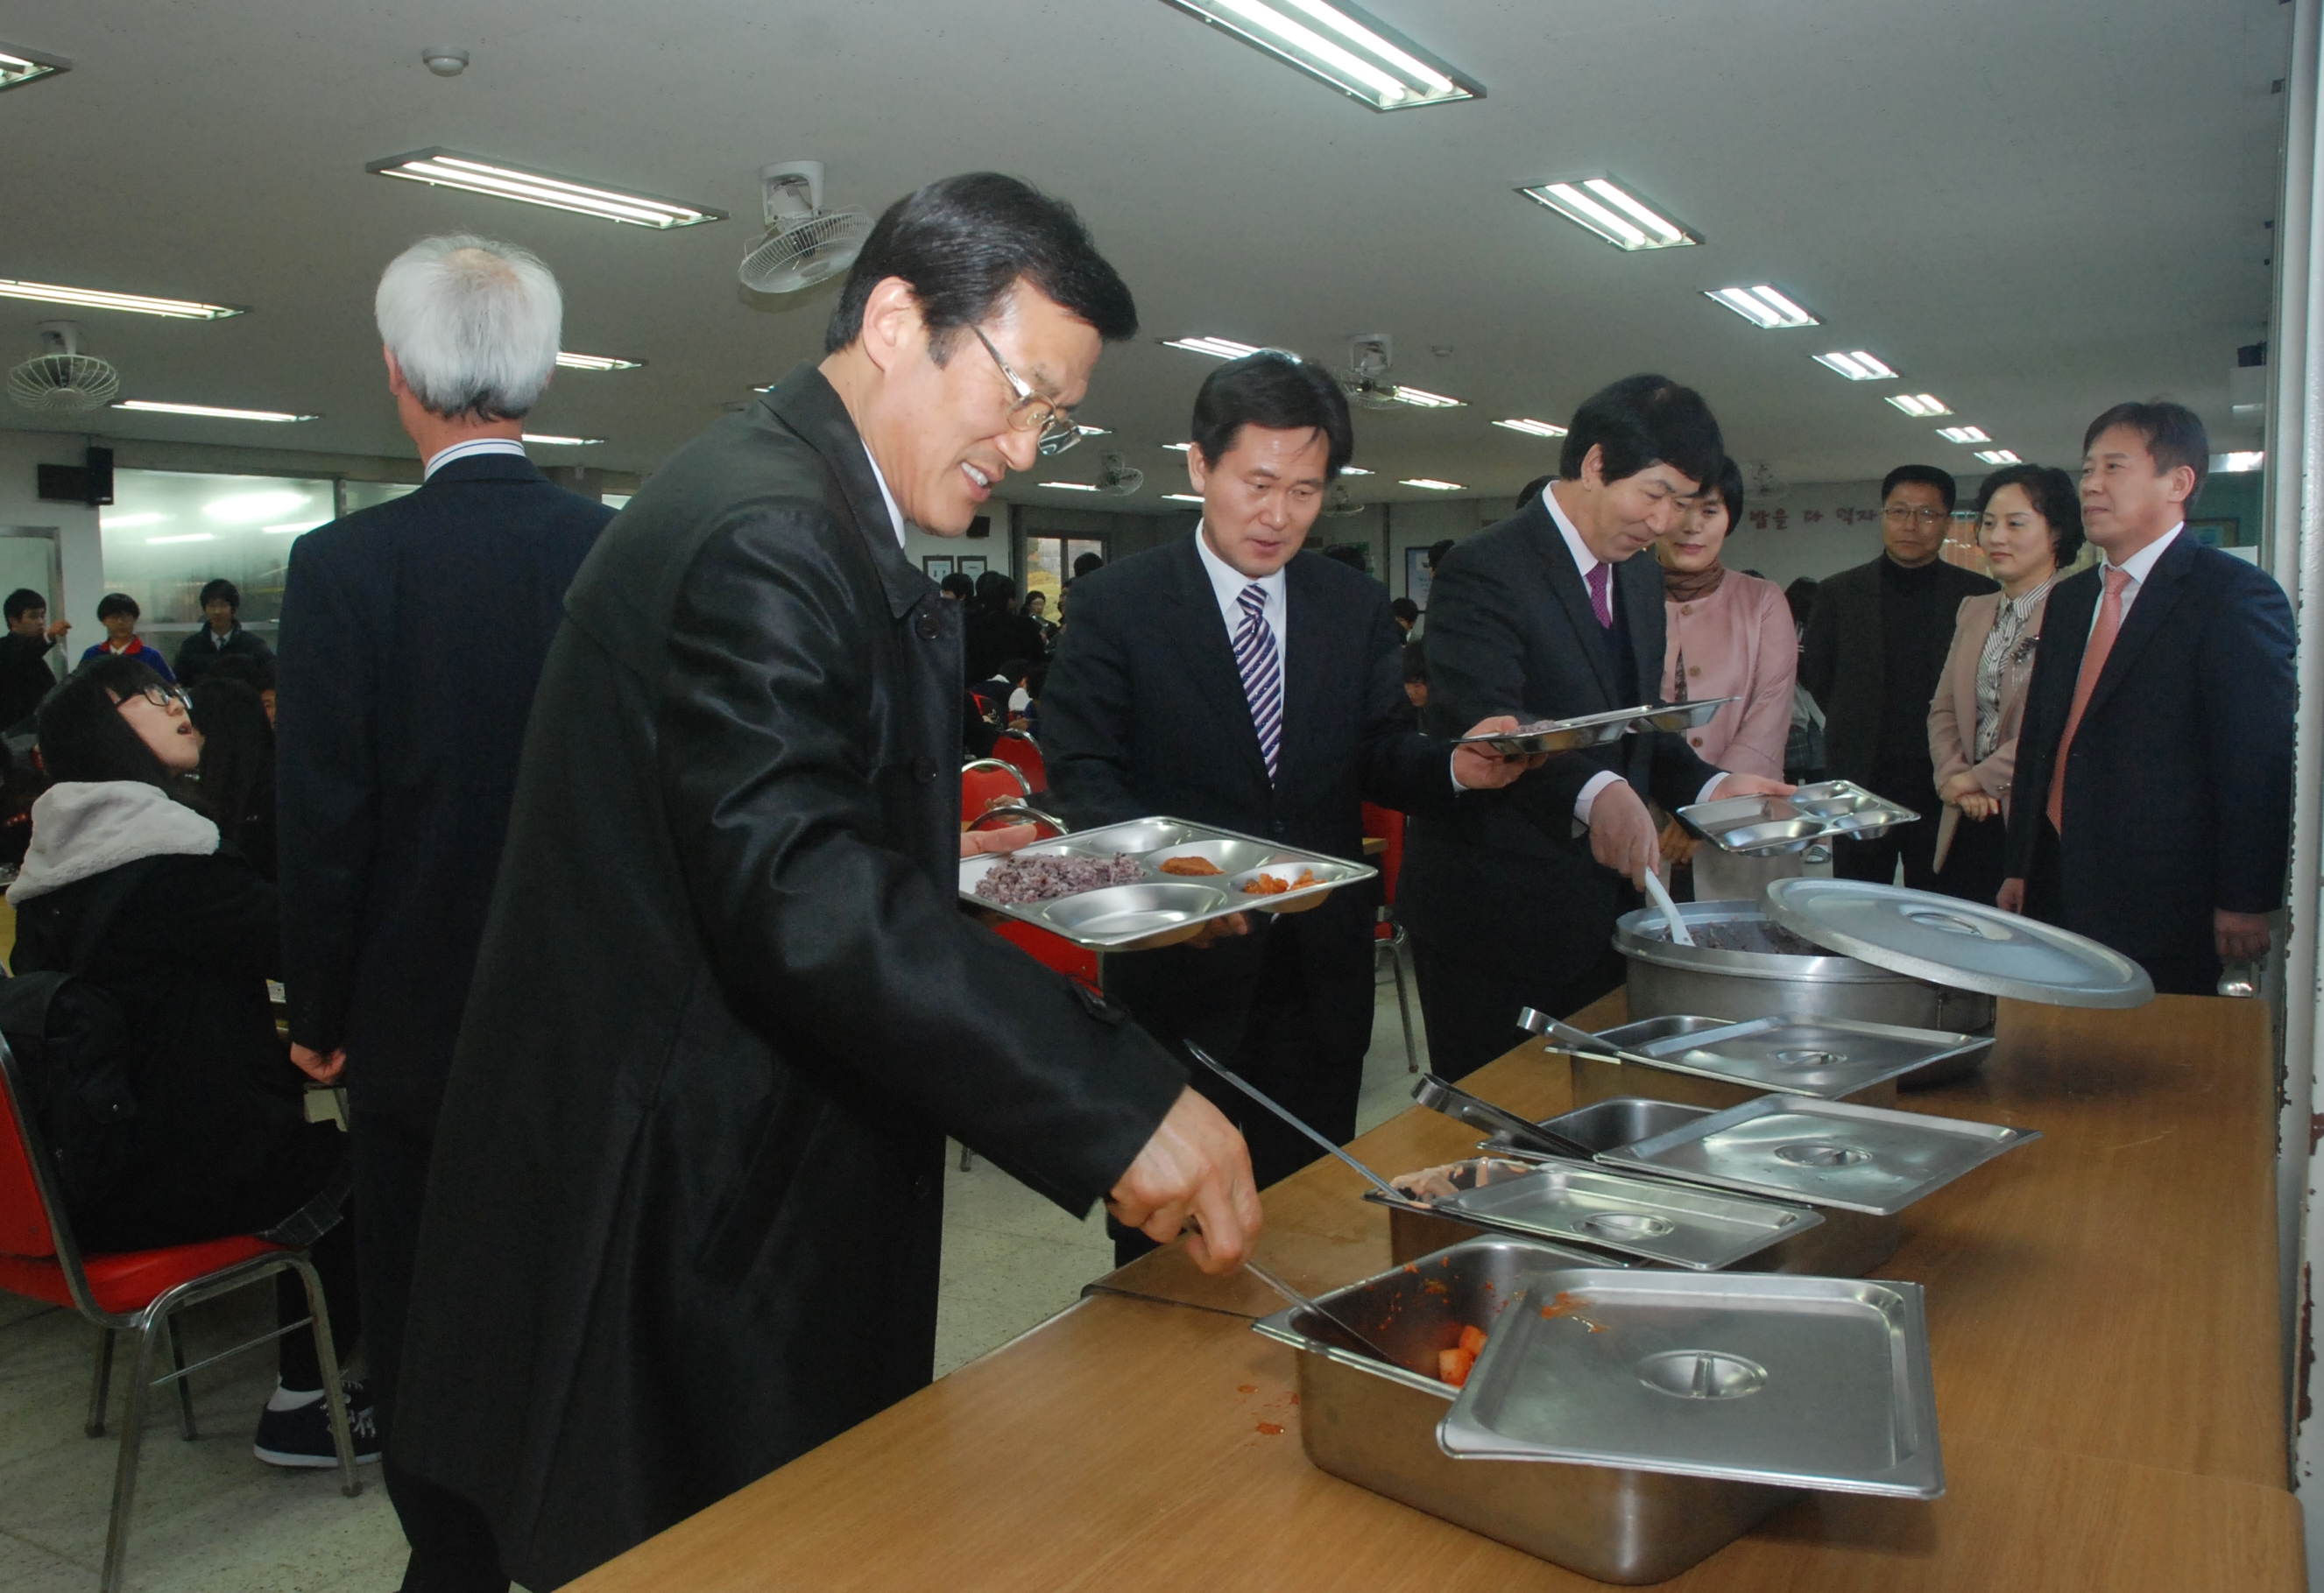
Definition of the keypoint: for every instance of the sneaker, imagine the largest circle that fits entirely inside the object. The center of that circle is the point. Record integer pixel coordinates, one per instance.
(302, 1437)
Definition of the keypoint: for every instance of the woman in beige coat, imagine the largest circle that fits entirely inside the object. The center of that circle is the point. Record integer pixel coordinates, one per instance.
(2030, 525)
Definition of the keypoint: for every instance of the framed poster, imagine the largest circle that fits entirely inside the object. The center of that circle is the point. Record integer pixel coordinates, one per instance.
(1417, 577)
(937, 565)
(971, 565)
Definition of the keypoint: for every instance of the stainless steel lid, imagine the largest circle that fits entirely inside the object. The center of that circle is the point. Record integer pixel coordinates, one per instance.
(1800, 1382)
(1572, 1201)
(1825, 1057)
(1962, 944)
(1857, 1158)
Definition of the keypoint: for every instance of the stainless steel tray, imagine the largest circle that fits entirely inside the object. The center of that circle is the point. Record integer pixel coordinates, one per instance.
(1825, 1057)
(1771, 826)
(1376, 1426)
(1591, 730)
(1827, 1153)
(1607, 1125)
(1160, 908)
(1798, 1382)
(1668, 1223)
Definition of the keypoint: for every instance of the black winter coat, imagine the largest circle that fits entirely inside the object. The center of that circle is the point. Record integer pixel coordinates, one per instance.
(684, 1217)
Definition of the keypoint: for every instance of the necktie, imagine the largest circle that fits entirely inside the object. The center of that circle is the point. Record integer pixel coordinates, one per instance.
(1600, 582)
(1262, 674)
(2094, 658)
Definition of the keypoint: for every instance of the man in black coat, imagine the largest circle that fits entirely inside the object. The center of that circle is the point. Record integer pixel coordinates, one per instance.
(685, 1212)
(222, 636)
(1548, 615)
(412, 635)
(1875, 649)
(1229, 679)
(26, 675)
(2153, 783)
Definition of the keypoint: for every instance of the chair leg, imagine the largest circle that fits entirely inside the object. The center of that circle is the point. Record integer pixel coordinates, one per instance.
(102, 1389)
(327, 1355)
(1403, 1003)
(125, 1471)
(185, 1384)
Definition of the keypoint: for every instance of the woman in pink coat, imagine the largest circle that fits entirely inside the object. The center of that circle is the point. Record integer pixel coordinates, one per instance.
(1729, 635)
(2030, 525)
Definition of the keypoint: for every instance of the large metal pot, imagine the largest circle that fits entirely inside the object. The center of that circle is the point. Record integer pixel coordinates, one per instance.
(1667, 980)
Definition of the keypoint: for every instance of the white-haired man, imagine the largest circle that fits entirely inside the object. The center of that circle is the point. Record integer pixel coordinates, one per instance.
(412, 636)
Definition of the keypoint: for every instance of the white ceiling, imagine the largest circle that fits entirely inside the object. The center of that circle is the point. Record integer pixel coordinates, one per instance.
(2031, 210)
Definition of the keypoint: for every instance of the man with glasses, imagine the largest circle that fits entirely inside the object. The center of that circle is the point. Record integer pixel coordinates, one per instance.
(685, 1215)
(1875, 651)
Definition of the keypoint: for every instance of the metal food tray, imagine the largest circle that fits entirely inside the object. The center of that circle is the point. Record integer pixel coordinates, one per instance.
(1591, 730)
(1824, 1057)
(1669, 1223)
(1160, 908)
(1798, 1382)
(1771, 826)
(1827, 1153)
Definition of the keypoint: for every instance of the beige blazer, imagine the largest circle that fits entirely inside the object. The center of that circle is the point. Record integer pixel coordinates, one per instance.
(1953, 712)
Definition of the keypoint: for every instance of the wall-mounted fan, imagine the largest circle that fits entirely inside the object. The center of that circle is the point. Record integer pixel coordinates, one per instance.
(803, 243)
(60, 380)
(1338, 500)
(1119, 478)
(1763, 486)
(1364, 378)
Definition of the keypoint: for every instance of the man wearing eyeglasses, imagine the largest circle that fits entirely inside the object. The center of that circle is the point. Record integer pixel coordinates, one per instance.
(685, 1215)
(1875, 651)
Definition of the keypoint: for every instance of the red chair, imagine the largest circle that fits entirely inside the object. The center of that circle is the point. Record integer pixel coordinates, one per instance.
(1015, 747)
(985, 782)
(136, 1292)
(1387, 934)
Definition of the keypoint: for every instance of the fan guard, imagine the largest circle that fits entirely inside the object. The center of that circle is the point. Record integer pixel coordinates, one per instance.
(63, 381)
(803, 243)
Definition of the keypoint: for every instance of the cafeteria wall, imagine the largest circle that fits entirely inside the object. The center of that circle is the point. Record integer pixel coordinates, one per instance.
(80, 548)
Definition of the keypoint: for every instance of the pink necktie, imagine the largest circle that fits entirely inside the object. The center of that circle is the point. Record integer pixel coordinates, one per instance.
(1600, 582)
(2094, 658)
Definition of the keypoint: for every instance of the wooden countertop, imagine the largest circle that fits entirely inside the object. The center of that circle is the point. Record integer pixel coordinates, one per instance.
(2102, 1319)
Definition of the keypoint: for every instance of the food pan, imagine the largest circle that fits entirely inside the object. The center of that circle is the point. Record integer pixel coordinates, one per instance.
(1161, 907)
(1591, 730)
(1772, 826)
(1650, 1220)
(1719, 1065)
(1376, 1426)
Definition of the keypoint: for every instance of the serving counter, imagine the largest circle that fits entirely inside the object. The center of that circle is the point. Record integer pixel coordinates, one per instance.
(2102, 1316)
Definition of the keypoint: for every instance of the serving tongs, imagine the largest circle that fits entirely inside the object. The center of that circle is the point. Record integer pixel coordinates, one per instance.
(1581, 1043)
(1442, 1096)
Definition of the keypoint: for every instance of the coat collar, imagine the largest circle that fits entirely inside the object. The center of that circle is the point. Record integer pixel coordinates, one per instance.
(470, 467)
(2158, 595)
(1557, 559)
(808, 406)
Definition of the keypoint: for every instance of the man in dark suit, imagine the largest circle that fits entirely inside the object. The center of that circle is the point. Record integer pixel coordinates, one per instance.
(411, 639)
(1547, 615)
(2153, 783)
(1875, 649)
(1231, 679)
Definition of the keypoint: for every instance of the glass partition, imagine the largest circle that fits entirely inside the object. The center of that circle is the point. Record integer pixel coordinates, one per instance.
(168, 532)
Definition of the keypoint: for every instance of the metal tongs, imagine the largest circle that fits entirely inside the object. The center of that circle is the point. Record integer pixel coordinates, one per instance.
(1579, 1042)
(1442, 1095)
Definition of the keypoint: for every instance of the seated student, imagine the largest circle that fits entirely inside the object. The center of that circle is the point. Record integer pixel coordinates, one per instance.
(236, 773)
(185, 936)
(25, 675)
(118, 612)
(221, 636)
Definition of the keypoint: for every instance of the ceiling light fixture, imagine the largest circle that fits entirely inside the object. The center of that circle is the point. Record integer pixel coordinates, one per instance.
(1179, 447)
(2238, 463)
(1070, 486)
(1963, 434)
(1920, 406)
(1856, 366)
(2000, 456)
(1340, 46)
(184, 310)
(596, 362)
(1092, 430)
(1420, 399)
(210, 412)
(189, 536)
(1183, 497)
(1603, 207)
(1533, 427)
(1434, 486)
(20, 66)
(562, 442)
(442, 168)
(1352, 470)
(1763, 307)
(1218, 348)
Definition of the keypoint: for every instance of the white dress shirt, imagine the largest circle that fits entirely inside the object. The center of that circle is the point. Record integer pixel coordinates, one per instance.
(895, 515)
(469, 450)
(2137, 567)
(1228, 583)
(1584, 561)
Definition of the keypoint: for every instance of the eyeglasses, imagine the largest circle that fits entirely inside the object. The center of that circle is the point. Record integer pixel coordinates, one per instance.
(1897, 514)
(1031, 411)
(162, 697)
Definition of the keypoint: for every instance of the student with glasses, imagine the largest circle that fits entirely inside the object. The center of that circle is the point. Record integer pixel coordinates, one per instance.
(1875, 651)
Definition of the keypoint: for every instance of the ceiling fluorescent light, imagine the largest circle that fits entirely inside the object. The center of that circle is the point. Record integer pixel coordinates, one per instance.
(2000, 456)
(443, 168)
(1179, 447)
(1218, 348)
(1533, 427)
(1421, 399)
(1092, 430)
(1963, 434)
(20, 66)
(184, 310)
(1351, 470)
(1605, 208)
(1070, 486)
(1920, 406)
(1763, 307)
(189, 536)
(1342, 47)
(562, 442)
(1183, 497)
(1434, 486)
(211, 411)
(2238, 463)
(596, 362)
(1856, 366)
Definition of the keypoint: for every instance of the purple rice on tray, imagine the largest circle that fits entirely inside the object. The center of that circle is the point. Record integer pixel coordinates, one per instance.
(1018, 880)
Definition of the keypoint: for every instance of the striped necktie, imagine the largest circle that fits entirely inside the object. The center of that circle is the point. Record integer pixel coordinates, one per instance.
(1262, 674)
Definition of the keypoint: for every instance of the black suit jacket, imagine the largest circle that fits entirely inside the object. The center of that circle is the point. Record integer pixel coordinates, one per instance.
(1511, 630)
(1844, 659)
(1144, 712)
(2178, 796)
(412, 635)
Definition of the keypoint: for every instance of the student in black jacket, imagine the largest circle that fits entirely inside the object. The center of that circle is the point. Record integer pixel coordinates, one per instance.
(186, 937)
(25, 674)
(221, 635)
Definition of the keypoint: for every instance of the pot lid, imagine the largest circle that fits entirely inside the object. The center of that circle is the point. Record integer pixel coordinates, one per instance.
(1966, 944)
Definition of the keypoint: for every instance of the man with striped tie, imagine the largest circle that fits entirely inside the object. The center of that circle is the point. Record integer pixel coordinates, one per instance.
(1229, 679)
